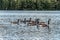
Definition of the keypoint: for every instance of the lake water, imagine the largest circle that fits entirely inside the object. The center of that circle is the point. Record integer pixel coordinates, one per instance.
(9, 31)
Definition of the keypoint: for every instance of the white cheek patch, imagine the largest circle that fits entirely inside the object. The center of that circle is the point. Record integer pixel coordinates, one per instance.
(40, 25)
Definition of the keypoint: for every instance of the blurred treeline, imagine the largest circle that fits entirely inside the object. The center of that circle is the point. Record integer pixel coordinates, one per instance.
(29, 5)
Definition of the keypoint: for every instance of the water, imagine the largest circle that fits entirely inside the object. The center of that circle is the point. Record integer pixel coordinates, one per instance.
(10, 31)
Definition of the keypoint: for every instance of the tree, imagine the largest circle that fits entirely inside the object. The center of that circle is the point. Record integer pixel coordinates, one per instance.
(43, 5)
(11, 5)
(28, 5)
(5, 4)
(58, 6)
(1, 2)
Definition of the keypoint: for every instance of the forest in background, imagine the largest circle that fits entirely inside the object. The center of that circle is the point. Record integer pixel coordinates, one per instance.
(29, 4)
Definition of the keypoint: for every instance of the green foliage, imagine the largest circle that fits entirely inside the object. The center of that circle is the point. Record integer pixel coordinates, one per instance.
(29, 5)
(43, 5)
(1, 2)
(58, 6)
(11, 5)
